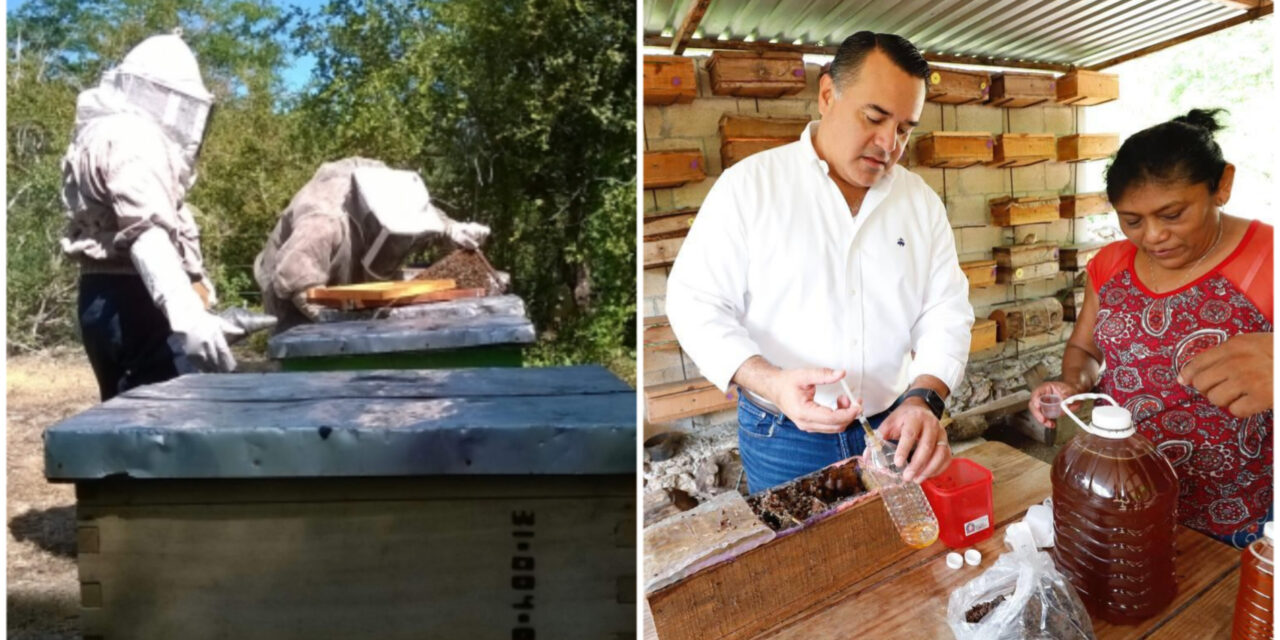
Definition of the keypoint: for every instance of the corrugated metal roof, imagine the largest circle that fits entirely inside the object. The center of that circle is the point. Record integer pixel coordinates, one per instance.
(1049, 32)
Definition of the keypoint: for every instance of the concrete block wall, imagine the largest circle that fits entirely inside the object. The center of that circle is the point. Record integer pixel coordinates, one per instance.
(966, 193)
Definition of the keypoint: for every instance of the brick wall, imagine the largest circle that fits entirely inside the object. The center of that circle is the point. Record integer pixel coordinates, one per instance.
(965, 192)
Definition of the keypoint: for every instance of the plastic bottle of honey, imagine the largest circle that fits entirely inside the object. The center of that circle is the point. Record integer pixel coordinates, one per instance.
(1115, 504)
(1253, 619)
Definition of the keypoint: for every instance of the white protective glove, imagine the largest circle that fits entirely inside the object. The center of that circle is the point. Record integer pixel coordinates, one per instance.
(312, 311)
(198, 333)
(467, 235)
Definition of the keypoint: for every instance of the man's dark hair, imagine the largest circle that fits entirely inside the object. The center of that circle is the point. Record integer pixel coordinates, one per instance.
(1180, 150)
(853, 52)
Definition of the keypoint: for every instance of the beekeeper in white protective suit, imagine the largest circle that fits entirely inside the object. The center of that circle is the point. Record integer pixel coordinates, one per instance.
(125, 178)
(357, 220)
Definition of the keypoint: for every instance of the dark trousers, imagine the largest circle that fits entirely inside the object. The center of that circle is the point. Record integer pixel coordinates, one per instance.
(125, 335)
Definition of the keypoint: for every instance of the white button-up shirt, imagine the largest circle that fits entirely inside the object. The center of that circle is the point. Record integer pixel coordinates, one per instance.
(777, 266)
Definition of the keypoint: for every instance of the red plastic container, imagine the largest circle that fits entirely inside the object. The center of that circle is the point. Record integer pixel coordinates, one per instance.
(961, 498)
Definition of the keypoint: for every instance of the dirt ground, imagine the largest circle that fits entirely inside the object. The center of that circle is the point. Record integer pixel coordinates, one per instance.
(43, 587)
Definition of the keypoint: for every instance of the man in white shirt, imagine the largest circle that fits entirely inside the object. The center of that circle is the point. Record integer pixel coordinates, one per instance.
(823, 260)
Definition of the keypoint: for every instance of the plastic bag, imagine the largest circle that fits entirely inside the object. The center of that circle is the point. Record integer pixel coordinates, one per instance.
(1038, 603)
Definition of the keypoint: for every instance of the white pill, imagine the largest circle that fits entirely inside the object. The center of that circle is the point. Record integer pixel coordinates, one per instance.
(954, 560)
(972, 557)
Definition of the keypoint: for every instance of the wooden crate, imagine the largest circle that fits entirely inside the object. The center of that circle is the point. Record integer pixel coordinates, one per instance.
(748, 595)
(1076, 257)
(749, 128)
(955, 149)
(757, 75)
(1026, 273)
(1011, 212)
(1022, 149)
(1078, 205)
(668, 224)
(669, 79)
(1021, 255)
(983, 335)
(980, 273)
(1086, 88)
(1019, 90)
(661, 253)
(663, 169)
(953, 86)
(732, 151)
(658, 335)
(1087, 146)
(684, 399)
(1026, 319)
(1072, 303)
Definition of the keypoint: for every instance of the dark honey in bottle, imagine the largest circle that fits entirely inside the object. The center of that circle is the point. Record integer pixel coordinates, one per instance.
(1115, 502)
(1253, 619)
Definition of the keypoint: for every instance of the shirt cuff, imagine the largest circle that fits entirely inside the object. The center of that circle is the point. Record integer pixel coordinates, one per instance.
(720, 366)
(943, 367)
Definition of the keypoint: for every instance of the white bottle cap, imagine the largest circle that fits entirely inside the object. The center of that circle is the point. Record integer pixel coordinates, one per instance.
(1268, 530)
(972, 557)
(954, 560)
(1114, 422)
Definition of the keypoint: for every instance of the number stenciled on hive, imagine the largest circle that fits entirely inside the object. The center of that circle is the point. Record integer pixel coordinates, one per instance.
(522, 574)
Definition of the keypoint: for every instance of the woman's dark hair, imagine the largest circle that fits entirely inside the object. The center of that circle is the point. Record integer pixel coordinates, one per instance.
(853, 52)
(1182, 150)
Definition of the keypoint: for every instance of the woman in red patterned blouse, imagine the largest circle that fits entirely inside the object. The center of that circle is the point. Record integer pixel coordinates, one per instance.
(1181, 314)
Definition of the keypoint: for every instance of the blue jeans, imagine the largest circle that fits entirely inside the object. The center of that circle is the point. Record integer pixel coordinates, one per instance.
(125, 335)
(775, 451)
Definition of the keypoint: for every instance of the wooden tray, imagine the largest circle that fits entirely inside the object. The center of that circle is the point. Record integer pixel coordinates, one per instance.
(381, 292)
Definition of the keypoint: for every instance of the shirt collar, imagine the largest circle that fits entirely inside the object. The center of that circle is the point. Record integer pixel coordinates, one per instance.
(877, 191)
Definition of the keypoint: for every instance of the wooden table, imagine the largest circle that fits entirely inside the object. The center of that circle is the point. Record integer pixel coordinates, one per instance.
(489, 503)
(908, 601)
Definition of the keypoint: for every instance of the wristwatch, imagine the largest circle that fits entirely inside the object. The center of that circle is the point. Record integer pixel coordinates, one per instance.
(931, 398)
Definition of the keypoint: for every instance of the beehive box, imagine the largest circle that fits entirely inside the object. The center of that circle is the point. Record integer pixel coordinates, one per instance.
(669, 79)
(981, 273)
(663, 169)
(662, 252)
(1072, 303)
(955, 149)
(1026, 319)
(1022, 149)
(1086, 88)
(742, 136)
(1087, 146)
(1026, 273)
(756, 75)
(1011, 212)
(321, 505)
(1077, 257)
(953, 86)
(1021, 255)
(1019, 90)
(661, 225)
(982, 335)
(1078, 205)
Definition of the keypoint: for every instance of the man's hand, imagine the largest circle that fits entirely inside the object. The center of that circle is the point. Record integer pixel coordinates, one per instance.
(914, 426)
(792, 390)
(1235, 375)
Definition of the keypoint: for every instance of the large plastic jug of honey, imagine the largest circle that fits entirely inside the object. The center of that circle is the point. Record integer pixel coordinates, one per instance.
(1115, 501)
(1254, 612)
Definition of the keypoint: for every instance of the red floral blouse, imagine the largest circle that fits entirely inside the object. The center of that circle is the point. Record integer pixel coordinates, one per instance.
(1223, 463)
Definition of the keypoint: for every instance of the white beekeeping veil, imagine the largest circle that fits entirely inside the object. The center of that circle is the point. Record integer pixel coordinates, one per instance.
(396, 217)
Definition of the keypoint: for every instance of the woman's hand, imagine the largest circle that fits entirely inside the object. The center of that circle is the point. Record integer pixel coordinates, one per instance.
(1061, 389)
(1235, 375)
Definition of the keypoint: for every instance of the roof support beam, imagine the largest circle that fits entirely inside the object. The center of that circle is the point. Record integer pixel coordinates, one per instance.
(1251, 15)
(690, 25)
(1241, 4)
(737, 45)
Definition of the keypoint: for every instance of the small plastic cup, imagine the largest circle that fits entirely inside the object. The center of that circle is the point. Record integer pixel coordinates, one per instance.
(1051, 406)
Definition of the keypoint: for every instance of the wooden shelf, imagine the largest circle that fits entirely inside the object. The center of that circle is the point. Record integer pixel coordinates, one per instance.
(685, 399)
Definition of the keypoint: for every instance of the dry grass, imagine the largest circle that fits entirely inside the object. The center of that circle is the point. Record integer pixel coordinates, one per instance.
(43, 586)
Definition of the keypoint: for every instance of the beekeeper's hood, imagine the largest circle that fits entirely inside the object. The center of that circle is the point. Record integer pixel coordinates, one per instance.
(159, 79)
(395, 217)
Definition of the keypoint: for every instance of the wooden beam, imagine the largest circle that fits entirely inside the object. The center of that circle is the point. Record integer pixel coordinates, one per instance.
(737, 45)
(1251, 15)
(1242, 5)
(690, 25)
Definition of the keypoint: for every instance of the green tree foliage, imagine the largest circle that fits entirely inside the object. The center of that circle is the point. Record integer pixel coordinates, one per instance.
(518, 114)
